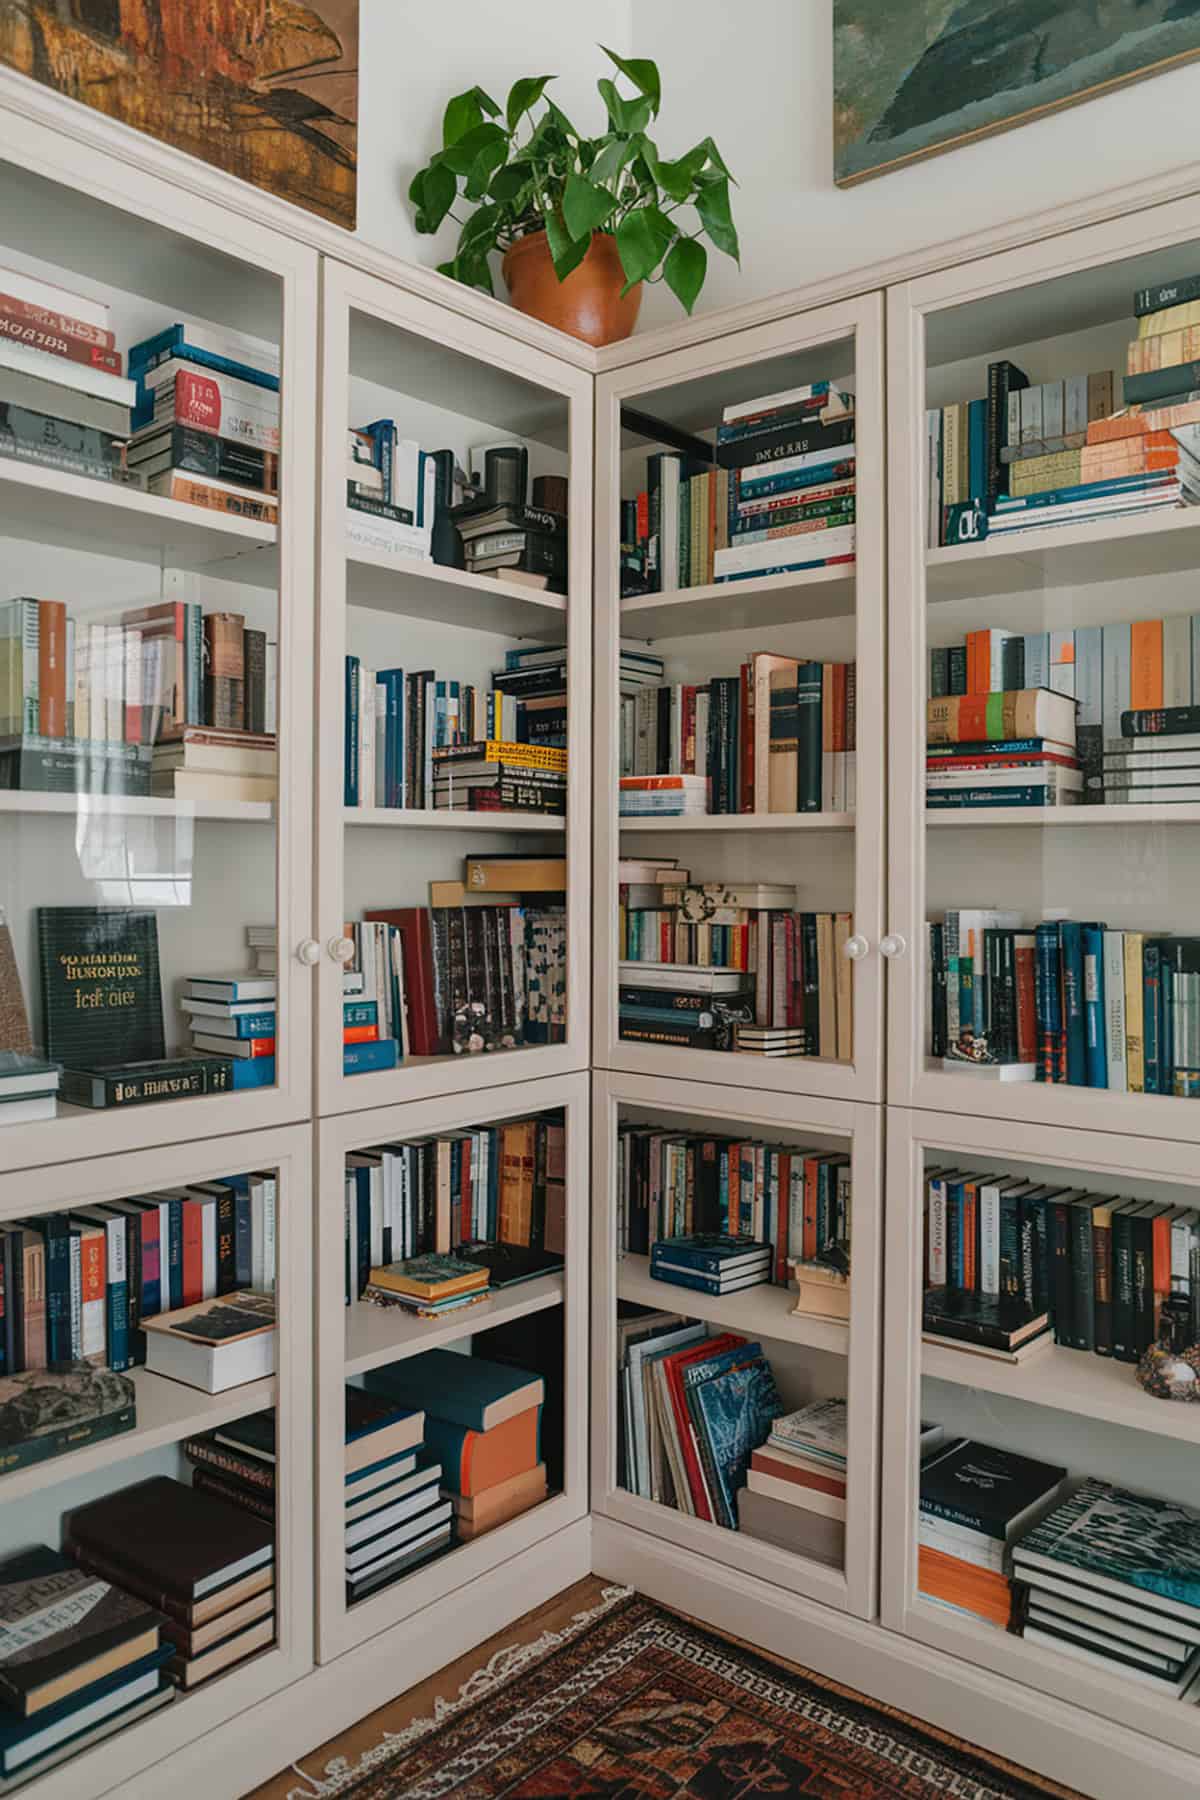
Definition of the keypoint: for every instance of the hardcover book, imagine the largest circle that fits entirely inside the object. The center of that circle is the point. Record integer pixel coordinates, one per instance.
(101, 989)
(1119, 1540)
(61, 1629)
(161, 1536)
(44, 1412)
(985, 1489)
(463, 1390)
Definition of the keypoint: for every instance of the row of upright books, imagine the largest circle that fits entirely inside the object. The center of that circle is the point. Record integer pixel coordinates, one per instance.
(1098, 1573)
(709, 966)
(1011, 1262)
(1064, 1001)
(414, 740)
(777, 494)
(1133, 734)
(778, 737)
(675, 1185)
(414, 1208)
(165, 1585)
(165, 700)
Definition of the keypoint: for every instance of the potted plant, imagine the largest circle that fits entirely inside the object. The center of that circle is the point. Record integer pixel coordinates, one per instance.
(581, 222)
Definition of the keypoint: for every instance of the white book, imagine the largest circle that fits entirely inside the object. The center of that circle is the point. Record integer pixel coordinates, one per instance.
(390, 1487)
(809, 546)
(34, 290)
(373, 1521)
(1114, 1011)
(792, 1493)
(79, 377)
(1177, 660)
(407, 1535)
(212, 1368)
(236, 346)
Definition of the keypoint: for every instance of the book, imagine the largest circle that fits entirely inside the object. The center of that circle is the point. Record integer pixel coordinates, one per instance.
(464, 1390)
(166, 1538)
(217, 1344)
(992, 1491)
(24, 1742)
(64, 1630)
(989, 1321)
(46, 1412)
(100, 985)
(377, 1429)
(1112, 1541)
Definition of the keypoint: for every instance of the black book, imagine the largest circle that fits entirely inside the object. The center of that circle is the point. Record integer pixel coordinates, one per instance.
(1062, 1286)
(169, 1539)
(723, 709)
(986, 1489)
(993, 1321)
(938, 1001)
(1123, 1300)
(65, 1630)
(1003, 378)
(1166, 293)
(482, 517)
(785, 442)
(1160, 721)
(509, 1264)
(1142, 1231)
(809, 707)
(1083, 1271)
(101, 989)
(255, 694)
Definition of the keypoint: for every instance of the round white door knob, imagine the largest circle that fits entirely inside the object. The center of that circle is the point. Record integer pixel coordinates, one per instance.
(892, 945)
(308, 953)
(856, 948)
(341, 949)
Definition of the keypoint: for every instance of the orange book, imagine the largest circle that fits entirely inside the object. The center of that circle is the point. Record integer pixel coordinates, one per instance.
(52, 668)
(808, 1242)
(786, 1468)
(970, 1206)
(1146, 663)
(981, 1591)
(1161, 1235)
(92, 1294)
(359, 1034)
(496, 1505)
(473, 1461)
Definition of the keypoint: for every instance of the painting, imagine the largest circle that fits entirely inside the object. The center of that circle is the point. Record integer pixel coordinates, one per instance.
(265, 89)
(910, 80)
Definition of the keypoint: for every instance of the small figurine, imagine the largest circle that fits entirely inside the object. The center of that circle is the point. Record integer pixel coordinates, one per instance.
(1170, 1368)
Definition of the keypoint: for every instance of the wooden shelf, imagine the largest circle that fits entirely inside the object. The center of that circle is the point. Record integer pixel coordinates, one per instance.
(382, 1334)
(425, 818)
(414, 589)
(738, 605)
(763, 1311)
(240, 812)
(1050, 817)
(167, 1411)
(1072, 1381)
(49, 506)
(1153, 543)
(830, 821)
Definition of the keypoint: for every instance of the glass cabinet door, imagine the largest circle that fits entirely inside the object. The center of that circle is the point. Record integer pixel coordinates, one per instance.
(155, 626)
(454, 849)
(739, 756)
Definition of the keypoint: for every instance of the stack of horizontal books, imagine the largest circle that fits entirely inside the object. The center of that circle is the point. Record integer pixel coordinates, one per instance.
(87, 1659)
(514, 542)
(391, 492)
(482, 1424)
(395, 1518)
(1110, 1577)
(1002, 748)
(500, 777)
(237, 1462)
(28, 1084)
(976, 1501)
(795, 1490)
(428, 1286)
(192, 1555)
(712, 1262)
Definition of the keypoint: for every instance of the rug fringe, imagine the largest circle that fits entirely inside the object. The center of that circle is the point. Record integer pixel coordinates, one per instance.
(504, 1663)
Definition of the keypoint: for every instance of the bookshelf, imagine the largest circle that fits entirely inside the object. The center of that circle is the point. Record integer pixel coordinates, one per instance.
(357, 1338)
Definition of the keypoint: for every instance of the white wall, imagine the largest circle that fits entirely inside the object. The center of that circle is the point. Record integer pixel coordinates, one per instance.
(759, 77)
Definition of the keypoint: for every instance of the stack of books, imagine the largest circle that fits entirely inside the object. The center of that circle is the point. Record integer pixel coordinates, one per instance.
(87, 1661)
(234, 1016)
(529, 696)
(216, 1344)
(1110, 1577)
(996, 749)
(395, 1517)
(206, 419)
(47, 1411)
(976, 1500)
(780, 736)
(663, 796)
(693, 1409)
(210, 766)
(672, 1184)
(237, 1463)
(192, 1555)
(712, 1262)
(1093, 1007)
(500, 777)
(1156, 759)
(491, 1188)
(391, 493)
(428, 1286)
(28, 1086)
(712, 923)
(780, 497)
(1009, 1260)
(483, 1425)
(64, 402)
(514, 542)
(796, 1483)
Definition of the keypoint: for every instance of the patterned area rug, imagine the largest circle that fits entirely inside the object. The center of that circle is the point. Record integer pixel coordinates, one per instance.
(636, 1703)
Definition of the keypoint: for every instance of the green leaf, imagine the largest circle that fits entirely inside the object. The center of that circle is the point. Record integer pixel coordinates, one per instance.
(585, 207)
(463, 112)
(522, 95)
(483, 168)
(638, 247)
(674, 178)
(479, 232)
(566, 253)
(461, 156)
(556, 116)
(713, 155)
(624, 115)
(662, 229)
(508, 181)
(438, 192)
(644, 75)
(712, 204)
(685, 269)
(612, 158)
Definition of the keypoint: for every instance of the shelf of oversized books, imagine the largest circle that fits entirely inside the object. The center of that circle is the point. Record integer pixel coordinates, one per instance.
(728, 1336)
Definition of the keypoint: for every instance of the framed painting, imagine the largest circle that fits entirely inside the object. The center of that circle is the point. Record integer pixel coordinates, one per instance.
(265, 89)
(911, 80)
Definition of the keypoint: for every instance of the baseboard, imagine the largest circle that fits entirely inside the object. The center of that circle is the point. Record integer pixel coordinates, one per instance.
(287, 1727)
(1080, 1749)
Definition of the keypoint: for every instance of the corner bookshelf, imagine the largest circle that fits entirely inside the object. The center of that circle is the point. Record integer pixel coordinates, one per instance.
(357, 1337)
(447, 384)
(701, 631)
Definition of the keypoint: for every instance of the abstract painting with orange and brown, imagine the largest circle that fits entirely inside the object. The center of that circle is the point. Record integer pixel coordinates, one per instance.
(265, 89)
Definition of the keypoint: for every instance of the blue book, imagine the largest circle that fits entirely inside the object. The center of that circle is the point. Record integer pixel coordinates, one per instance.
(362, 1224)
(956, 1261)
(172, 1255)
(709, 1284)
(359, 1059)
(350, 728)
(65, 1719)
(1074, 1023)
(1093, 1001)
(709, 1253)
(383, 434)
(1048, 1001)
(467, 1391)
(977, 451)
(1007, 504)
(360, 1012)
(1123, 1544)
(734, 1411)
(253, 1071)
(1152, 1015)
(248, 1025)
(242, 1225)
(392, 683)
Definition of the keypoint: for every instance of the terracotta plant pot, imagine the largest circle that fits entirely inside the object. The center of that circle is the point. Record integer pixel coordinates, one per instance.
(588, 304)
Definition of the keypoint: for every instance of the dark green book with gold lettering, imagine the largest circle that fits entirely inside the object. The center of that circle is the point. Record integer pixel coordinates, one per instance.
(101, 991)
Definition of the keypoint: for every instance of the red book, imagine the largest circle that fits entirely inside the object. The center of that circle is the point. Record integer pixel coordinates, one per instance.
(54, 342)
(970, 1206)
(1027, 1035)
(193, 1252)
(28, 312)
(808, 1248)
(783, 1165)
(416, 938)
(672, 1367)
(52, 668)
(359, 1034)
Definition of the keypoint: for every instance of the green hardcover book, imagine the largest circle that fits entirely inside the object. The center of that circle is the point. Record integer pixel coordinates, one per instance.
(809, 683)
(44, 1412)
(142, 1083)
(101, 990)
